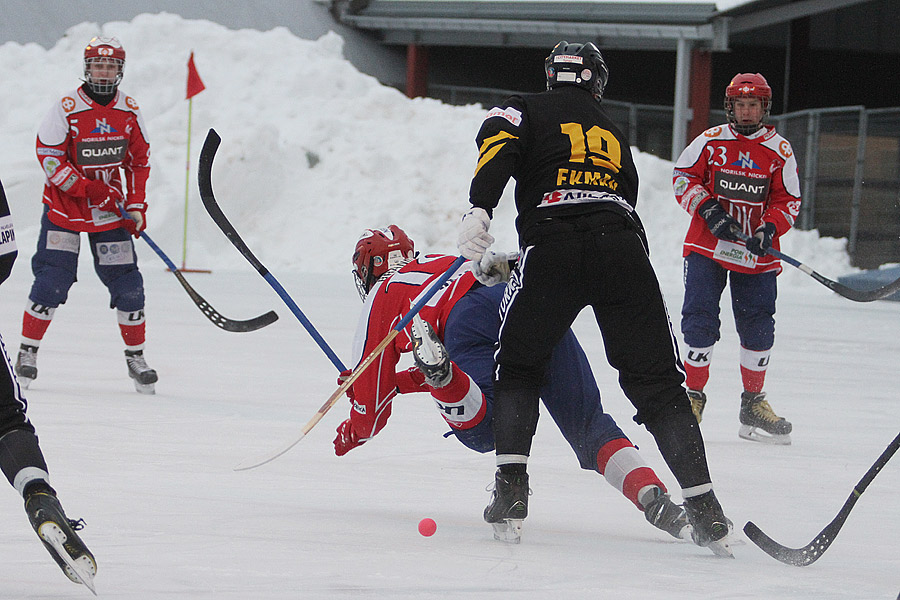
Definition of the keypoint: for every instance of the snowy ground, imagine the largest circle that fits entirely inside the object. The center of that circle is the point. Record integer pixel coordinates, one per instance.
(168, 518)
(313, 152)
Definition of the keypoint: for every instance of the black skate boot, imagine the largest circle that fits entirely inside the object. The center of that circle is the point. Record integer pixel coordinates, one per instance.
(144, 377)
(760, 423)
(710, 525)
(429, 353)
(698, 403)
(26, 365)
(664, 514)
(57, 532)
(508, 507)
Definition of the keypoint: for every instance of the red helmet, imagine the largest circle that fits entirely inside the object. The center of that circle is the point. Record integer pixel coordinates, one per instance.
(377, 252)
(747, 85)
(102, 50)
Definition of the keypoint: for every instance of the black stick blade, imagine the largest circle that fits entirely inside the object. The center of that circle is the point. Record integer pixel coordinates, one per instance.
(223, 322)
(798, 557)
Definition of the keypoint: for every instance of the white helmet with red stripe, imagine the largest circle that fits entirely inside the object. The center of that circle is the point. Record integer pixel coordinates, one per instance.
(104, 64)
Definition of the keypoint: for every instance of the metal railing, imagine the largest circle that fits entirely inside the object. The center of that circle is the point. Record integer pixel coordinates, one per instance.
(848, 160)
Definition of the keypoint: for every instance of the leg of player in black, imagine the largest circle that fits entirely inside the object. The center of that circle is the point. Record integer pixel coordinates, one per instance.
(641, 346)
(536, 311)
(22, 462)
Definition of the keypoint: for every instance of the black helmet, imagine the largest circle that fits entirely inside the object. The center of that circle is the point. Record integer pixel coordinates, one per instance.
(577, 64)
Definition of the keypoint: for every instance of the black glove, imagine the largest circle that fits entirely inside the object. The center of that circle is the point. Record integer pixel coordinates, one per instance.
(720, 223)
(761, 241)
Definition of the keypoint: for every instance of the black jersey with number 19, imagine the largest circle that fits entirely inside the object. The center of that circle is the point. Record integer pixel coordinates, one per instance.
(567, 156)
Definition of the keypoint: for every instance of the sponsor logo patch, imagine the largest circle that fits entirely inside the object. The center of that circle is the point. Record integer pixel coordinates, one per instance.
(102, 153)
(568, 58)
(738, 187)
(50, 164)
(64, 241)
(557, 197)
(115, 253)
(745, 162)
(7, 235)
(736, 254)
(510, 114)
(103, 127)
(785, 149)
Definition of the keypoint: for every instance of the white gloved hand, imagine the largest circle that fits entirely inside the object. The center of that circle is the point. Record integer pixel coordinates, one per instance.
(474, 238)
(493, 268)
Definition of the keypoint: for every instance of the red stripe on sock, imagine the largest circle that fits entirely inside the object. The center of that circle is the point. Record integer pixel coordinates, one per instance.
(637, 480)
(608, 449)
(133, 335)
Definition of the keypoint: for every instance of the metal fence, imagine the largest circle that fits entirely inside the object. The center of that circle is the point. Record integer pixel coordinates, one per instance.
(848, 158)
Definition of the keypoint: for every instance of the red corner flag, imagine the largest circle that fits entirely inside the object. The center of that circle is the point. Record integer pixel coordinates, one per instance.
(194, 83)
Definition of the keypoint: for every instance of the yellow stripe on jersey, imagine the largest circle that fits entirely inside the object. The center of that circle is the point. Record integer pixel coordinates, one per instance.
(491, 147)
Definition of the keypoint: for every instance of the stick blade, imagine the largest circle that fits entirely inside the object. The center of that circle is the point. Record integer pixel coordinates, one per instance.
(797, 557)
(258, 461)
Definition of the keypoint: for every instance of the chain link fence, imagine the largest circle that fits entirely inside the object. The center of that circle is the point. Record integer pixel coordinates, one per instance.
(848, 158)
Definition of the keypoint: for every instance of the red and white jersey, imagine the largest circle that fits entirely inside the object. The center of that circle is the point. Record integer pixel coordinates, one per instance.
(387, 302)
(81, 140)
(754, 179)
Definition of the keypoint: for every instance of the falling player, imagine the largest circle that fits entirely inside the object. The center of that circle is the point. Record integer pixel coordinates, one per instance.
(453, 345)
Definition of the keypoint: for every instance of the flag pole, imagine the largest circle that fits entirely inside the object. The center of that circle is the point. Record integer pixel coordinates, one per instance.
(194, 87)
(187, 185)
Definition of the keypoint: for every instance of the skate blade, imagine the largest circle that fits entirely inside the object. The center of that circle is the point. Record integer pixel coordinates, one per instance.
(722, 547)
(81, 569)
(686, 533)
(145, 388)
(509, 531)
(754, 434)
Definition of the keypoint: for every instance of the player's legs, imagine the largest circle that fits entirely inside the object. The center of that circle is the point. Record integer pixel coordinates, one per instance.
(704, 282)
(753, 303)
(55, 265)
(541, 301)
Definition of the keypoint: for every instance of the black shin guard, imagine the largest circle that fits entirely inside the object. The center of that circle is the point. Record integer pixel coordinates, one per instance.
(515, 420)
(679, 441)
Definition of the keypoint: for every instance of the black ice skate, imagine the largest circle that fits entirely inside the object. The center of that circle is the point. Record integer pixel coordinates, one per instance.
(429, 353)
(710, 525)
(508, 507)
(26, 365)
(144, 377)
(664, 514)
(759, 422)
(698, 403)
(57, 532)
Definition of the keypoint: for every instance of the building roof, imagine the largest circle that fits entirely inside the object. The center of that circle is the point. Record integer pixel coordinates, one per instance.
(632, 25)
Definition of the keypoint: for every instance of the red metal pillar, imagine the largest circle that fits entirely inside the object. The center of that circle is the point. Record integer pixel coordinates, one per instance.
(701, 78)
(416, 70)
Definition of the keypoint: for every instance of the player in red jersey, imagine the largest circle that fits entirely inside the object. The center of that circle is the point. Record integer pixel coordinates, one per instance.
(94, 151)
(453, 346)
(736, 180)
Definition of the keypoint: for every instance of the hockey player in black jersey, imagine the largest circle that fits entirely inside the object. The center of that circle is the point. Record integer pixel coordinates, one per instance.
(581, 244)
(21, 459)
